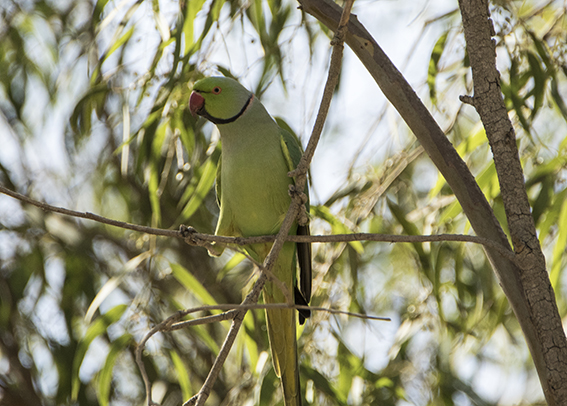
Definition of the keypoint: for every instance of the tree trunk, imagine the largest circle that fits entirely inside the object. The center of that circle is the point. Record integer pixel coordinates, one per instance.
(550, 353)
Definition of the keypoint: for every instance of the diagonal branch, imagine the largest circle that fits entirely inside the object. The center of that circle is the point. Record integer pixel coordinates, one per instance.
(456, 173)
(174, 322)
(548, 344)
(252, 297)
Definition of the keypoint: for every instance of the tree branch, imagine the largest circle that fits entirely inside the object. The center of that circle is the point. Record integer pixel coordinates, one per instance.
(548, 344)
(192, 237)
(173, 323)
(456, 173)
(89, 216)
(201, 397)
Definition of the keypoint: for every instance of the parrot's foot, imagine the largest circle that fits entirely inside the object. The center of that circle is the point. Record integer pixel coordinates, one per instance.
(190, 236)
(293, 192)
(303, 217)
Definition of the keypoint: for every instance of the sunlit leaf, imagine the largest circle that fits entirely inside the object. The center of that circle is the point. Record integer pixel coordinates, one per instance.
(192, 284)
(336, 225)
(434, 66)
(236, 259)
(192, 8)
(97, 328)
(105, 376)
(182, 375)
(204, 186)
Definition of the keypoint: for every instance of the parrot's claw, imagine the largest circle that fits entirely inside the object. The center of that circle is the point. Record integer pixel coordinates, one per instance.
(190, 236)
(303, 217)
(293, 192)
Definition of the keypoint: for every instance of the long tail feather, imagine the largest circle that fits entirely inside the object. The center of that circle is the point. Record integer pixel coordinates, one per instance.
(281, 332)
(281, 325)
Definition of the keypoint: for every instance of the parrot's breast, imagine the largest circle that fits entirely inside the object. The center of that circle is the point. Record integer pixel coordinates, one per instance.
(254, 180)
(255, 188)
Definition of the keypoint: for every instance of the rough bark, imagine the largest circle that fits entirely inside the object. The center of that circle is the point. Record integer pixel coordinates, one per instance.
(528, 290)
(538, 291)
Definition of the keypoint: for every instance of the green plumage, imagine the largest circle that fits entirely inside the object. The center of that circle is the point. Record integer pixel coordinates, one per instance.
(252, 191)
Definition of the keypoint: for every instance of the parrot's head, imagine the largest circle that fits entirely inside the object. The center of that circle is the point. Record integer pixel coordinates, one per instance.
(220, 100)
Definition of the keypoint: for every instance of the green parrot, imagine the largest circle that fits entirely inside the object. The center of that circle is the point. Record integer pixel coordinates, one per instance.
(252, 192)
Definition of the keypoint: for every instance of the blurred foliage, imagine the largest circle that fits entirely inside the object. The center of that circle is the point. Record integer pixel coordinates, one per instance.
(76, 296)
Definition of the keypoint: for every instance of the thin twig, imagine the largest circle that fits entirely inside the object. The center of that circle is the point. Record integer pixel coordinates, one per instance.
(89, 216)
(252, 297)
(140, 348)
(172, 323)
(204, 239)
(233, 308)
(330, 85)
(271, 277)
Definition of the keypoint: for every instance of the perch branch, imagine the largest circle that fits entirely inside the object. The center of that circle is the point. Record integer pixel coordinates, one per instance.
(200, 239)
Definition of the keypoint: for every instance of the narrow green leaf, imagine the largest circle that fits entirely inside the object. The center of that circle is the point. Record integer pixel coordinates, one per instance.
(540, 47)
(193, 7)
(471, 143)
(411, 229)
(105, 376)
(216, 9)
(182, 375)
(160, 137)
(322, 384)
(97, 12)
(551, 216)
(540, 78)
(558, 99)
(518, 104)
(236, 259)
(337, 226)
(434, 66)
(559, 249)
(204, 186)
(543, 200)
(267, 385)
(81, 118)
(250, 343)
(186, 134)
(153, 185)
(121, 41)
(192, 284)
(98, 327)
(161, 23)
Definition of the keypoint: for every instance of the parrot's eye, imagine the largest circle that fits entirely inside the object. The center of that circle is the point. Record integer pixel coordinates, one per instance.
(217, 90)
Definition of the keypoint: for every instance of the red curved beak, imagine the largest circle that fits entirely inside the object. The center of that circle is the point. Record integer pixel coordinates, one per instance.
(196, 103)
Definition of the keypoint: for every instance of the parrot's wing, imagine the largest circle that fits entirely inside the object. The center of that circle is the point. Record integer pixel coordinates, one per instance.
(224, 223)
(218, 182)
(291, 149)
